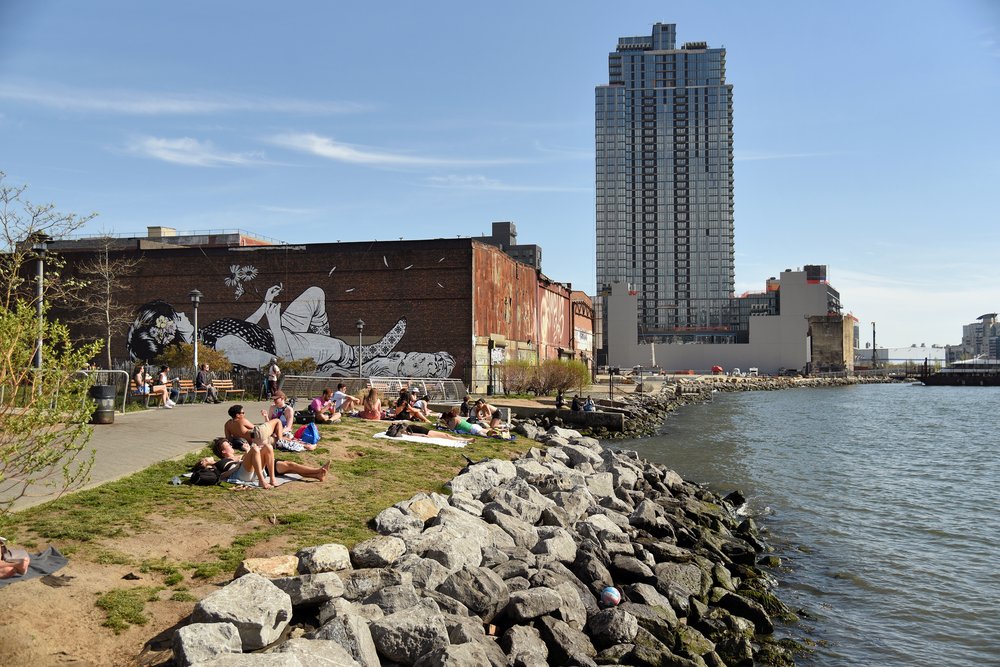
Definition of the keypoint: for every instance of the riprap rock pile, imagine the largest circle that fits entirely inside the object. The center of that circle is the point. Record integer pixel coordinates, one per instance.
(509, 570)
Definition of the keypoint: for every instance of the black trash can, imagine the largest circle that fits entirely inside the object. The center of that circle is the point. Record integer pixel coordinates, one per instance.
(104, 396)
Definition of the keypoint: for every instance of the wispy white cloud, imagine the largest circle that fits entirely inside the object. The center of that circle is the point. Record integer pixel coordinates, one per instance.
(330, 149)
(484, 183)
(754, 156)
(191, 152)
(572, 153)
(134, 102)
(287, 210)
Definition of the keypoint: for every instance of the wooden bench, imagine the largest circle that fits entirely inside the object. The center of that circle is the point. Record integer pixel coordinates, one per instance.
(136, 395)
(188, 394)
(225, 388)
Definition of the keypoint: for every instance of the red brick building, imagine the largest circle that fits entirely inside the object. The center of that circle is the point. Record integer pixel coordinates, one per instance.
(431, 308)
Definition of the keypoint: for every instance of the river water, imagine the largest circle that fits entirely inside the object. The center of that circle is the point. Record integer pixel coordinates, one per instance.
(882, 502)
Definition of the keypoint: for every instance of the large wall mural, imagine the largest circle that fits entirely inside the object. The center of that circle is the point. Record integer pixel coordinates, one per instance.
(299, 331)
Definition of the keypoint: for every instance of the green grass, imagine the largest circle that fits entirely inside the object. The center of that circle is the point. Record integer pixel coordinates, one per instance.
(124, 607)
(375, 475)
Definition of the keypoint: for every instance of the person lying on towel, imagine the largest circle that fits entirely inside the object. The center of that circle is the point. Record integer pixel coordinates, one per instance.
(251, 467)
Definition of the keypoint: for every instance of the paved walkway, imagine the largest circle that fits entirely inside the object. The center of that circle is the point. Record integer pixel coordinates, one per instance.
(137, 440)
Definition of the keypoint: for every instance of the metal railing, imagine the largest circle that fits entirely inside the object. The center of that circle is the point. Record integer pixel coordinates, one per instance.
(120, 380)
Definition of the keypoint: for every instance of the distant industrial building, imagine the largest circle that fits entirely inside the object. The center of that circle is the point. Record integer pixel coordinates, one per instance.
(422, 308)
(979, 339)
(796, 323)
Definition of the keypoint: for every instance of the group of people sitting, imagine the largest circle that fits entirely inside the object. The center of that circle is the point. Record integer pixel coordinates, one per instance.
(162, 386)
(257, 442)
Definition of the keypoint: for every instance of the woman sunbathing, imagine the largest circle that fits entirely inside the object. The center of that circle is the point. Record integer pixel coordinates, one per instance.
(252, 466)
(424, 432)
(453, 422)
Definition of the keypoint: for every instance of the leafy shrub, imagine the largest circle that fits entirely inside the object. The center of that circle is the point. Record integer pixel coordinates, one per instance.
(520, 376)
(182, 356)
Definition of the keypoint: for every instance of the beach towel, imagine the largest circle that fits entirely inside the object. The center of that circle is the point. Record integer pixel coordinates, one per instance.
(420, 439)
(278, 481)
(47, 562)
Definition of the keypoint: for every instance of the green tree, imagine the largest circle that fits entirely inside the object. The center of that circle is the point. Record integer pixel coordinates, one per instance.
(43, 412)
(182, 356)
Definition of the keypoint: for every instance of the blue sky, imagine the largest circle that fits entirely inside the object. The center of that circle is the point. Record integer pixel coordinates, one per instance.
(865, 132)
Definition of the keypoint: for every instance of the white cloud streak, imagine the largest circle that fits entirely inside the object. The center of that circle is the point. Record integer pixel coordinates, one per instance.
(751, 156)
(147, 103)
(330, 149)
(191, 152)
(484, 183)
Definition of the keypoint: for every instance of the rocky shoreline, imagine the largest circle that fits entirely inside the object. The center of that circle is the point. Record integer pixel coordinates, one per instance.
(511, 569)
(645, 413)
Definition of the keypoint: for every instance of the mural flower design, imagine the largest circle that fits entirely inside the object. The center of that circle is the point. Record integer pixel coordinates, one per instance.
(238, 276)
(164, 330)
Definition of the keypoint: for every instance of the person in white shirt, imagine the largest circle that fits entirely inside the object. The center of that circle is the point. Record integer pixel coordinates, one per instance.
(344, 402)
(273, 375)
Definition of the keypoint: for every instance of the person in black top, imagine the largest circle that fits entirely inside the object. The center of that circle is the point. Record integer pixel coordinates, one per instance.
(575, 406)
(203, 382)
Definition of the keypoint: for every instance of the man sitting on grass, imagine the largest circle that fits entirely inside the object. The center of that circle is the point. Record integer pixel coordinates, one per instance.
(252, 466)
(344, 402)
(323, 409)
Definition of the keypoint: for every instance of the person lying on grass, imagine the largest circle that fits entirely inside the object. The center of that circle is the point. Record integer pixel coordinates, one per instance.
(423, 432)
(252, 466)
(453, 422)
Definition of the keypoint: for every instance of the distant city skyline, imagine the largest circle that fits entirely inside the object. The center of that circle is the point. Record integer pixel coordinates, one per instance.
(864, 135)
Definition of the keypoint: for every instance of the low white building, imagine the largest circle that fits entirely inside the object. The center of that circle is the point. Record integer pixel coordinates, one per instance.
(776, 342)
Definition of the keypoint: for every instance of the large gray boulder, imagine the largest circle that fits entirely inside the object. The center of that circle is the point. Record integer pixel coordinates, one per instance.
(564, 642)
(450, 547)
(394, 521)
(309, 589)
(359, 584)
(426, 572)
(479, 589)
(612, 626)
(481, 477)
(461, 655)
(378, 551)
(532, 603)
(394, 598)
(202, 641)
(321, 653)
(686, 576)
(406, 635)
(524, 647)
(350, 630)
(324, 558)
(555, 544)
(259, 610)
(524, 534)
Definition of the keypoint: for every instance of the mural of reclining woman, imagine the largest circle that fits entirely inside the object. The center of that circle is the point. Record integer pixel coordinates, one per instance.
(302, 330)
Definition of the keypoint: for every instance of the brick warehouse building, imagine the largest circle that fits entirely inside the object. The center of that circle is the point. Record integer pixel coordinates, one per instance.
(431, 308)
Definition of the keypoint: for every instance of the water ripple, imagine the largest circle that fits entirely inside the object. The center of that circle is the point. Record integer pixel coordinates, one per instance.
(880, 500)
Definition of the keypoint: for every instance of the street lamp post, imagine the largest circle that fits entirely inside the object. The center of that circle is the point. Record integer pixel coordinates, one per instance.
(40, 247)
(361, 327)
(874, 352)
(195, 297)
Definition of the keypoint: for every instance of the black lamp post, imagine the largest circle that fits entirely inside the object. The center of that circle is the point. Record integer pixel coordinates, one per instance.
(489, 380)
(874, 353)
(361, 327)
(40, 246)
(195, 297)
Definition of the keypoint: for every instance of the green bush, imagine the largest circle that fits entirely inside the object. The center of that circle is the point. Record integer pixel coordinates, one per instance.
(182, 356)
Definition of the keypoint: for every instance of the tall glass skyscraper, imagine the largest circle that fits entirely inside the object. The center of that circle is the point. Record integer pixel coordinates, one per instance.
(664, 148)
